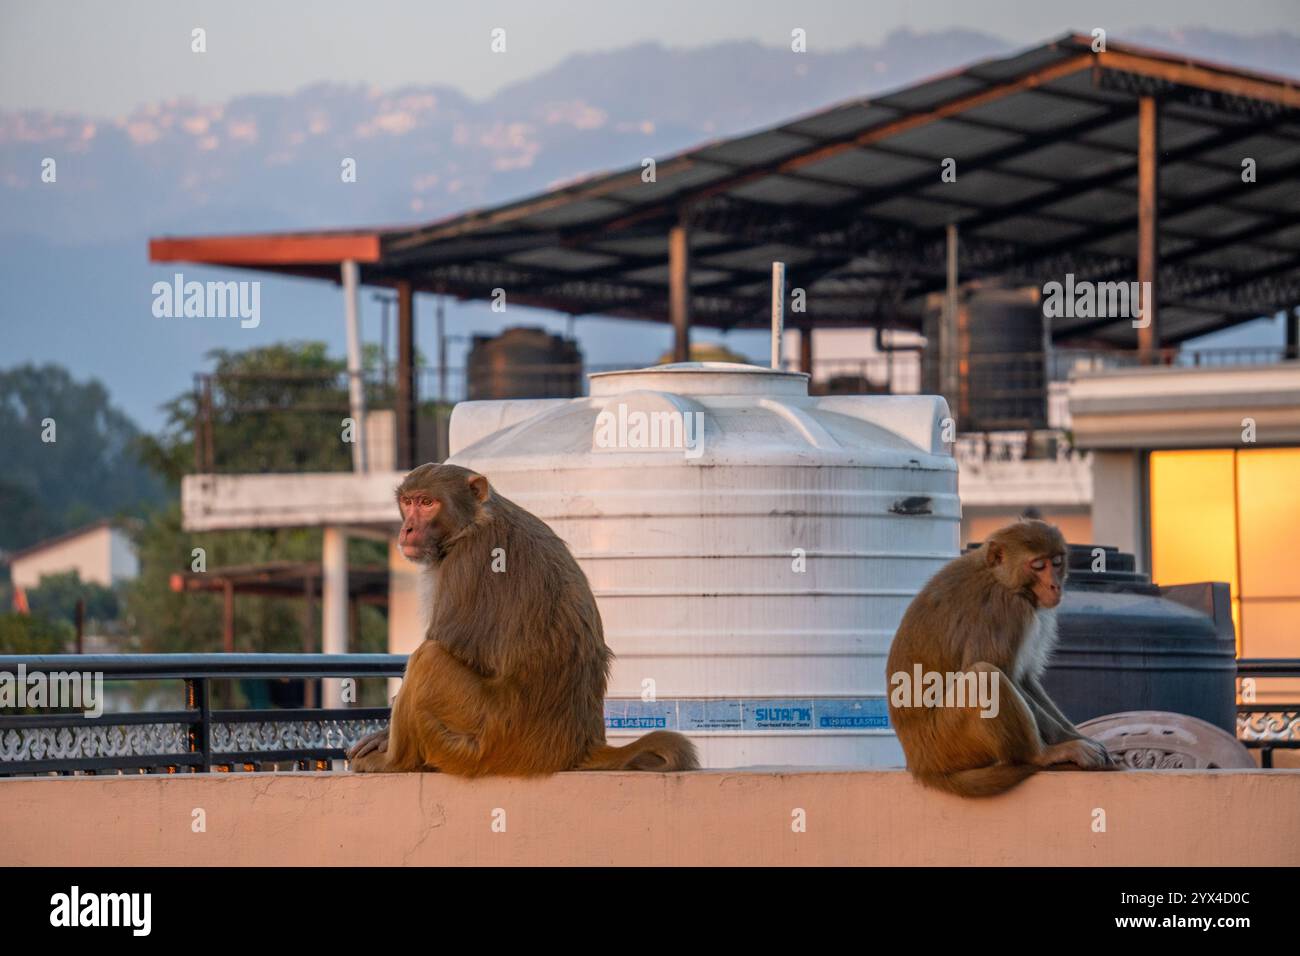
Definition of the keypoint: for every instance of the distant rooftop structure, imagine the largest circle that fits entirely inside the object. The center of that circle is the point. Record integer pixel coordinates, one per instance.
(1047, 148)
(101, 553)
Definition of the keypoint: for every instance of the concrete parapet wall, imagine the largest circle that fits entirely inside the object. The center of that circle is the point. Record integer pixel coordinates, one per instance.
(852, 817)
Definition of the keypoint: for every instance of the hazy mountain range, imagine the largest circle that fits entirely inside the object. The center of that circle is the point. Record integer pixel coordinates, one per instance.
(73, 254)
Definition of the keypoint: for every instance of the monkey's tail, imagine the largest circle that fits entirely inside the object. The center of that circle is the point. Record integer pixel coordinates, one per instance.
(661, 751)
(981, 781)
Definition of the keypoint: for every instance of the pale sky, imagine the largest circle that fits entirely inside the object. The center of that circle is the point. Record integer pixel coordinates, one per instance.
(106, 58)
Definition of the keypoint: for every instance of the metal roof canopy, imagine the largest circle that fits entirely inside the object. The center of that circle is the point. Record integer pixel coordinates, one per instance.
(1046, 145)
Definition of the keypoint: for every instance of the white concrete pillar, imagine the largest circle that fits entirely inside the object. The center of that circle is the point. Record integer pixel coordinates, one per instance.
(1118, 494)
(408, 608)
(334, 606)
(356, 385)
(778, 312)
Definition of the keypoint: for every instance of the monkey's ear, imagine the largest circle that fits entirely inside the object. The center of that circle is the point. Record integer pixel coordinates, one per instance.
(992, 553)
(478, 485)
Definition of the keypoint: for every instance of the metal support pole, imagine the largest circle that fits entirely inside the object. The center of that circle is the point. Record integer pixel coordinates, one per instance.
(199, 419)
(679, 289)
(309, 635)
(334, 605)
(440, 318)
(440, 442)
(407, 400)
(356, 386)
(948, 328)
(205, 437)
(1148, 251)
(198, 699)
(228, 617)
(778, 311)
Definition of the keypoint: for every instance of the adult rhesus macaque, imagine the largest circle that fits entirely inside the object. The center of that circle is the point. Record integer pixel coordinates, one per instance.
(990, 610)
(510, 678)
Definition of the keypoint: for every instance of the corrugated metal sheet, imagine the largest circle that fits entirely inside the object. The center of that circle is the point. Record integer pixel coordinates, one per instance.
(1034, 112)
(869, 167)
(952, 138)
(925, 96)
(843, 120)
(1021, 63)
(757, 148)
(791, 191)
(568, 260)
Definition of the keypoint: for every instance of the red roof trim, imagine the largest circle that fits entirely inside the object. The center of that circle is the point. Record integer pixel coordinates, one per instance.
(266, 250)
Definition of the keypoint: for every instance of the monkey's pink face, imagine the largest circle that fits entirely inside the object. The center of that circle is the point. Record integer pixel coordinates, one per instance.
(1048, 574)
(418, 537)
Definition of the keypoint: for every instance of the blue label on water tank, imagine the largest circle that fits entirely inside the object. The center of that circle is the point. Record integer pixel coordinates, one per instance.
(775, 714)
(709, 715)
(840, 713)
(747, 715)
(640, 715)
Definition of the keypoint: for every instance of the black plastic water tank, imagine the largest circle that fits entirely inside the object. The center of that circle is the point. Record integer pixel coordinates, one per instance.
(524, 362)
(1126, 644)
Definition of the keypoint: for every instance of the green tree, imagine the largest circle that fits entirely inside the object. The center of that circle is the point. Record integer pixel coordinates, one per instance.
(24, 517)
(33, 634)
(278, 408)
(91, 469)
(57, 594)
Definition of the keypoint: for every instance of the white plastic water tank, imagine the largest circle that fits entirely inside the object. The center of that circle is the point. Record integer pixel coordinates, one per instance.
(752, 548)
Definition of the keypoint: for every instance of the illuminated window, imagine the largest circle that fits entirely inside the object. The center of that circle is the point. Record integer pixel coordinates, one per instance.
(1268, 534)
(1233, 515)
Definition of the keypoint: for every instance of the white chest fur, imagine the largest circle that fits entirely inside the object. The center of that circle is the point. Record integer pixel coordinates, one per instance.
(1036, 647)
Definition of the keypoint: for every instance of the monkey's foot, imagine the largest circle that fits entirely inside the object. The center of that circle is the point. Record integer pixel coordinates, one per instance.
(1083, 753)
(1108, 759)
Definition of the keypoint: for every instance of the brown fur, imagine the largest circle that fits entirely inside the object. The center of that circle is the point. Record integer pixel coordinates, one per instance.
(973, 616)
(511, 676)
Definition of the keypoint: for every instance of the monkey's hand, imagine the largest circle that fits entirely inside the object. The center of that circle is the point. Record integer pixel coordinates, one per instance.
(376, 741)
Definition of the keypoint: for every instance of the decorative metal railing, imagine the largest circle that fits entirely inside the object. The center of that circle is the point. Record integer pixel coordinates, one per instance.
(200, 738)
(196, 738)
(1268, 725)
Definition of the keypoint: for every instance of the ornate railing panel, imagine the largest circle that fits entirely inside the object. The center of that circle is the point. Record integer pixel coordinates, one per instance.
(196, 738)
(1266, 725)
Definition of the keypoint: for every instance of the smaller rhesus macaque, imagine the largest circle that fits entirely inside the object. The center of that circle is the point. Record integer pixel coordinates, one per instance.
(510, 678)
(989, 614)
